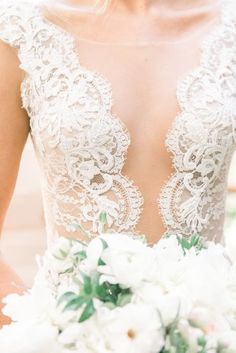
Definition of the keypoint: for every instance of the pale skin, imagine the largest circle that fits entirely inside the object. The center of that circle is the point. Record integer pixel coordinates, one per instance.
(162, 22)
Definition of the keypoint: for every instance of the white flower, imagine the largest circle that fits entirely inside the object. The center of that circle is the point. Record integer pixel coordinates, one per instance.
(128, 261)
(93, 252)
(168, 249)
(210, 321)
(61, 247)
(35, 305)
(71, 334)
(132, 329)
(191, 336)
(227, 341)
(29, 338)
(76, 247)
(169, 305)
(90, 338)
(201, 317)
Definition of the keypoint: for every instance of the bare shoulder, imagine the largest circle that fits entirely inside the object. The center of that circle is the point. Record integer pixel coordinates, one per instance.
(9, 65)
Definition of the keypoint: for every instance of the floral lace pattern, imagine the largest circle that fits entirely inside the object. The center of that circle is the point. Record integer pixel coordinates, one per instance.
(202, 137)
(82, 147)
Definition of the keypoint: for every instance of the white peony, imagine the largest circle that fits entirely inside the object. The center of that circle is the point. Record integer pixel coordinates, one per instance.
(29, 337)
(129, 262)
(132, 329)
(170, 305)
(36, 304)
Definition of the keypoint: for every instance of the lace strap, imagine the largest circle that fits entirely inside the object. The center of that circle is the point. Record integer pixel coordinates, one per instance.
(15, 22)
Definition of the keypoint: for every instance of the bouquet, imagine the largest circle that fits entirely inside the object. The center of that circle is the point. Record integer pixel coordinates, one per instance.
(116, 294)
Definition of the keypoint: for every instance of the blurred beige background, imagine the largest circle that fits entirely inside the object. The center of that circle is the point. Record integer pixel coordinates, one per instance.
(23, 235)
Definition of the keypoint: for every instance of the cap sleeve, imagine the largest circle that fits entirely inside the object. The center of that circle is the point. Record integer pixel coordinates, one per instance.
(14, 21)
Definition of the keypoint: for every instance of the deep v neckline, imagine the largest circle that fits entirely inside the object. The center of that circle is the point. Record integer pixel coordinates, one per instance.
(73, 47)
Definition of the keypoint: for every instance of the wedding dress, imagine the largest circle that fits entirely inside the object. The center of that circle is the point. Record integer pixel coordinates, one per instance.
(82, 148)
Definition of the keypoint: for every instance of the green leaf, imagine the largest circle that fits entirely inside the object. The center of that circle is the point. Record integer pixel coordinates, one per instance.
(202, 342)
(177, 340)
(194, 240)
(88, 288)
(101, 291)
(103, 217)
(66, 296)
(186, 244)
(123, 299)
(69, 270)
(75, 303)
(101, 262)
(88, 311)
(81, 255)
(104, 243)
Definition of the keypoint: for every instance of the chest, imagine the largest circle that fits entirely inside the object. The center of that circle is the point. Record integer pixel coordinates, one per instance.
(143, 82)
(142, 87)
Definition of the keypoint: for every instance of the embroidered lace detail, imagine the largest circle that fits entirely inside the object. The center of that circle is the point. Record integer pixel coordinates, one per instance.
(81, 146)
(202, 137)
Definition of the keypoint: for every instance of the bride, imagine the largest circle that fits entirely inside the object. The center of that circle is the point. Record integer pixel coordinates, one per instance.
(131, 106)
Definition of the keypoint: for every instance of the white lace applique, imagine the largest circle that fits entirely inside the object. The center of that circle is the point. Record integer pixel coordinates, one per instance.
(202, 138)
(82, 147)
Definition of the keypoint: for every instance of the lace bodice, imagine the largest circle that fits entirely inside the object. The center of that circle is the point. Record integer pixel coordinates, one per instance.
(81, 147)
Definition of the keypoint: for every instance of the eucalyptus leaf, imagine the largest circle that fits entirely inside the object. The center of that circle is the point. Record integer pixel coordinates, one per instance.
(75, 303)
(88, 288)
(88, 311)
(87, 283)
(66, 296)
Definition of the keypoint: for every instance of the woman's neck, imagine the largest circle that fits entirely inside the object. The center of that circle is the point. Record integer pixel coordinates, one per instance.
(135, 6)
(152, 5)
